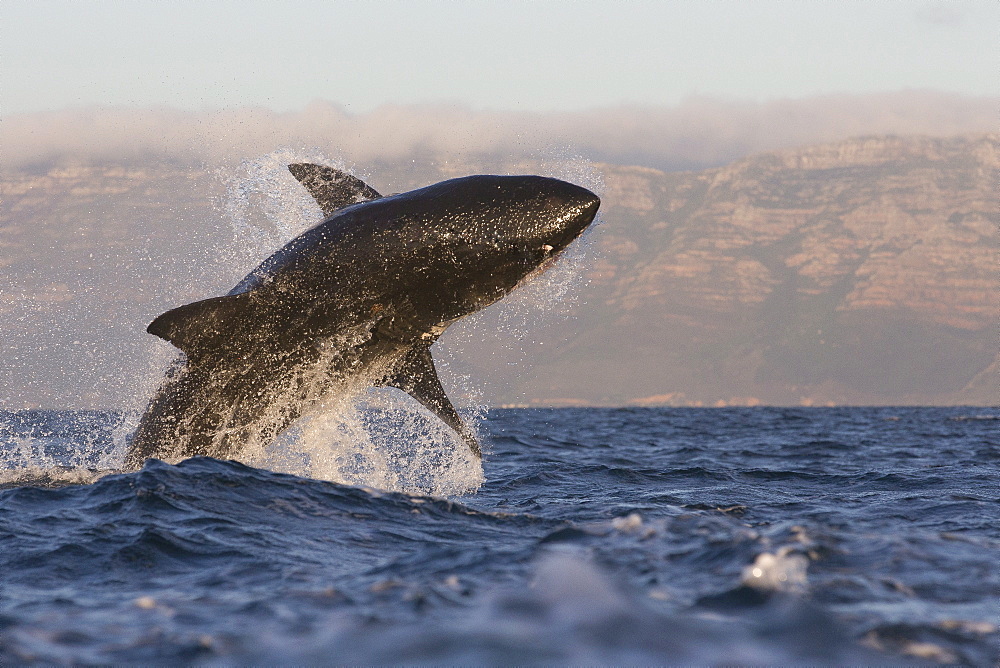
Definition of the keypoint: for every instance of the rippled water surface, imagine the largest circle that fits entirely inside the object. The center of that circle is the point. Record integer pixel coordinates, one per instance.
(599, 536)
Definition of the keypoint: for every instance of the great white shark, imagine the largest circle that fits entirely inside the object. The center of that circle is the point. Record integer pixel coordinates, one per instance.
(359, 298)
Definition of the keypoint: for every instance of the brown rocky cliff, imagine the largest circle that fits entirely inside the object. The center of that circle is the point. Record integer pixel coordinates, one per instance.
(864, 271)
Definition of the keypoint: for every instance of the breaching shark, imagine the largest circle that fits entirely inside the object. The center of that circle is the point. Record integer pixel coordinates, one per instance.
(359, 298)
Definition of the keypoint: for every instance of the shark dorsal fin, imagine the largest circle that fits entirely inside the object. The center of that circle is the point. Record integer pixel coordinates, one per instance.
(331, 188)
(203, 326)
(417, 376)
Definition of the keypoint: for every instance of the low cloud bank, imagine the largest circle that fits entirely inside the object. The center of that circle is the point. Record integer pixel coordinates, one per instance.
(698, 133)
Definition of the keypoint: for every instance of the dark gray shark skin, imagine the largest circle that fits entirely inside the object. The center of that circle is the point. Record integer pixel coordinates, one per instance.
(357, 299)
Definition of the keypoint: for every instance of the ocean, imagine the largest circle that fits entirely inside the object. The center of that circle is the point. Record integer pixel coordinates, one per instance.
(590, 536)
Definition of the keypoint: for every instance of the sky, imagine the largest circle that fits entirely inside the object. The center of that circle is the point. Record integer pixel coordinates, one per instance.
(526, 56)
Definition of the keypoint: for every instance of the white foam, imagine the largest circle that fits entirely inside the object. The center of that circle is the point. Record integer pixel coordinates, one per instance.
(379, 438)
(57, 476)
(784, 570)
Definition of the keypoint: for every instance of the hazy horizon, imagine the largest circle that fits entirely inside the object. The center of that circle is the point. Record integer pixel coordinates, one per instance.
(698, 133)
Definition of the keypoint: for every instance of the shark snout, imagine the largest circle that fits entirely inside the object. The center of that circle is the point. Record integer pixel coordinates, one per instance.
(572, 196)
(589, 204)
(577, 208)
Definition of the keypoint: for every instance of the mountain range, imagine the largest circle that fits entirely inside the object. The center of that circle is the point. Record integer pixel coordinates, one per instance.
(864, 271)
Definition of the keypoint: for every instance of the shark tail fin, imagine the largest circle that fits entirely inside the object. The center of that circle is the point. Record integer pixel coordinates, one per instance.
(202, 326)
(331, 188)
(417, 377)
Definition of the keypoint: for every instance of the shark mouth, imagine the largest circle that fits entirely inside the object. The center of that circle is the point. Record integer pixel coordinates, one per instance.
(546, 264)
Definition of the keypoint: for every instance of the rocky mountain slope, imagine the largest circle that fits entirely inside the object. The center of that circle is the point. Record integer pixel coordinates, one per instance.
(865, 271)
(862, 271)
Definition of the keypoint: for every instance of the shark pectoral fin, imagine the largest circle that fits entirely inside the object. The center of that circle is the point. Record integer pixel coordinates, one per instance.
(417, 377)
(199, 327)
(331, 188)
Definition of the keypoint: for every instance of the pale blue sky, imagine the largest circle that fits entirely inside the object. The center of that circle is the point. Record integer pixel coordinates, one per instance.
(506, 54)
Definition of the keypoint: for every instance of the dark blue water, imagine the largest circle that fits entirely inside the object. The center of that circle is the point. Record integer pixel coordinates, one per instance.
(601, 536)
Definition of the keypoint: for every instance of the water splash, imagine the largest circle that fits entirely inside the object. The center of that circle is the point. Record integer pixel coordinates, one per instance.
(56, 448)
(266, 207)
(377, 438)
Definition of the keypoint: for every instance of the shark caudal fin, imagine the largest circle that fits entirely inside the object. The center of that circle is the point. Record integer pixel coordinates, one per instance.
(417, 377)
(331, 188)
